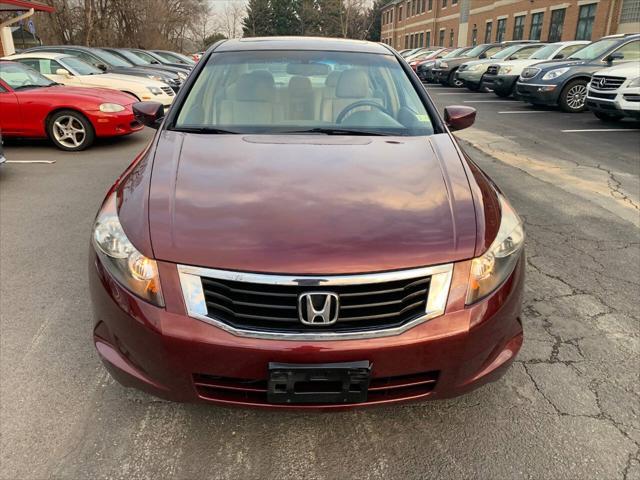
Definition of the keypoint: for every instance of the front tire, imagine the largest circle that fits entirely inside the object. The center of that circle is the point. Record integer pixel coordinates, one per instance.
(70, 131)
(503, 93)
(573, 96)
(452, 81)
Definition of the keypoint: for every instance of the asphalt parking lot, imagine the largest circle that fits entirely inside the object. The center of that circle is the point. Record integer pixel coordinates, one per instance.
(568, 408)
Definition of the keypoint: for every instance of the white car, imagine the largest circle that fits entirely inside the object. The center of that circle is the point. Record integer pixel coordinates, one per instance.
(501, 77)
(614, 93)
(72, 71)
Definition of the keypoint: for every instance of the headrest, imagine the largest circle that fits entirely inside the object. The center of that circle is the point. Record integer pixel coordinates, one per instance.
(307, 69)
(332, 79)
(353, 83)
(300, 86)
(257, 86)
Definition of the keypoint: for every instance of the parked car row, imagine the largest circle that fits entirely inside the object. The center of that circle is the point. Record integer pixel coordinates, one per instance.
(73, 94)
(602, 76)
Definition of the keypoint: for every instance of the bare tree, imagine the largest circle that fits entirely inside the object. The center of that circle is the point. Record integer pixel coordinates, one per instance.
(229, 19)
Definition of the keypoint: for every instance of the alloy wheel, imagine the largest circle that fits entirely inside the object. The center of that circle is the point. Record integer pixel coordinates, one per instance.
(69, 131)
(576, 96)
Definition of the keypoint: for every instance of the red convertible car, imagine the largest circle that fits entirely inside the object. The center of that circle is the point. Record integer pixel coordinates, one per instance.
(35, 107)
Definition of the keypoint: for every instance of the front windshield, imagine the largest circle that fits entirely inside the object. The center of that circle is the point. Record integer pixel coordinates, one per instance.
(476, 51)
(79, 66)
(174, 57)
(506, 52)
(131, 58)
(111, 59)
(303, 91)
(19, 76)
(544, 53)
(594, 50)
(145, 57)
(454, 53)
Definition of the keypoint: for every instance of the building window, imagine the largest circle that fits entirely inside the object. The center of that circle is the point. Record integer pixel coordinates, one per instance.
(391, 18)
(421, 39)
(441, 38)
(453, 2)
(474, 35)
(488, 32)
(518, 27)
(536, 26)
(430, 5)
(501, 30)
(406, 41)
(399, 14)
(586, 16)
(451, 38)
(557, 21)
(444, 3)
(414, 6)
(428, 39)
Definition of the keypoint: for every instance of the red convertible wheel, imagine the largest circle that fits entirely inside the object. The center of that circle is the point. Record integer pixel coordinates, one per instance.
(70, 131)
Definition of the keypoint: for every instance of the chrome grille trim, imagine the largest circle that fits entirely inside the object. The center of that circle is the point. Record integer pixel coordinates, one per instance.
(194, 299)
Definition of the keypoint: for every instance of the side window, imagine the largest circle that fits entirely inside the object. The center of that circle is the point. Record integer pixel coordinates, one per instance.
(631, 52)
(83, 56)
(567, 51)
(32, 63)
(49, 67)
(492, 50)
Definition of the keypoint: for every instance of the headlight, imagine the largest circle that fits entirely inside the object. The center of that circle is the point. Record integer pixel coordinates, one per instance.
(156, 78)
(155, 90)
(477, 68)
(555, 73)
(442, 65)
(505, 70)
(490, 270)
(120, 258)
(635, 82)
(111, 108)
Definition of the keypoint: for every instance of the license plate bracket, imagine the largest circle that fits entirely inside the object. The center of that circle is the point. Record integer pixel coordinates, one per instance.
(346, 382)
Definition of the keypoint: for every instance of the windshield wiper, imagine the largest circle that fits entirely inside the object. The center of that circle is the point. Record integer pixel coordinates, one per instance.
(208, 130)
(337, 131)
(21, 87)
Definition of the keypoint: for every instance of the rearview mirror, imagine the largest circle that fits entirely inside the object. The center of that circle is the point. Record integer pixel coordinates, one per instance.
(150, 114)
(64, 72)
(459, 117)
(613, 57)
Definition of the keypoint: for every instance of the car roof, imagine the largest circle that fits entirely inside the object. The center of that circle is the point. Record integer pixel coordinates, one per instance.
(49, 55)
(301, 43)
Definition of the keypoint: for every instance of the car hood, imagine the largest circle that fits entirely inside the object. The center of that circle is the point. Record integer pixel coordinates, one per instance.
(627, 70)
(561, 64)
(457, 60)
(105, 78)
(308, 204)
(143, 71)
(65, 93)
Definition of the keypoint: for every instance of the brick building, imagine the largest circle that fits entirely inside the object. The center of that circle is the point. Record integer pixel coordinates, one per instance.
(452, 23)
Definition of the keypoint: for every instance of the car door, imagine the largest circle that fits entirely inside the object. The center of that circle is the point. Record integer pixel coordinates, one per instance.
(11, 118)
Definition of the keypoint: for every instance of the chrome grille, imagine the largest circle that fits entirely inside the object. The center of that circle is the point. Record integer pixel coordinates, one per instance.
(492, 70)
(602, 82)
(168, 90)
(267, 306)
(529, 72)
(275, 307)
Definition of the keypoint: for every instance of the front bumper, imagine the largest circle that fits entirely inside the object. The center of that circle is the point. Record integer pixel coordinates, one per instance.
(115, 124)
(176, 357)
(625, 101)
(441, 74)
(538, 94)
(500, 83)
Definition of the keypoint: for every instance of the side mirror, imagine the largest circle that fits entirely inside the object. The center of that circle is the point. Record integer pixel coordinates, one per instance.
(102, 67)
(459, 117)
(482, 56)
(150, 114)
(64, 72)
(155, 62)
(559, 56)
(613, 57)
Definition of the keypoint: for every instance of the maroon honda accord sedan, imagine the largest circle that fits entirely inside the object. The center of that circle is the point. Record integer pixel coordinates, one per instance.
(304, 232)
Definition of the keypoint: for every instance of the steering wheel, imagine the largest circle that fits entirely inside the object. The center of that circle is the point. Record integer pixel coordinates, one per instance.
(360, 103)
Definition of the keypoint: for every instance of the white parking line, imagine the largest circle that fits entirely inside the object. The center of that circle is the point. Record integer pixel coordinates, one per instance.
(523, 111)
(31, 161)
(457, 93)
(492, 101)
(602, 130)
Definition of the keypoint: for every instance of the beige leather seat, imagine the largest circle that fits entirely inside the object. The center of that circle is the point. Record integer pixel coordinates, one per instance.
(251, 101)
(353, 86)
(330, 84)
(302, 103)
